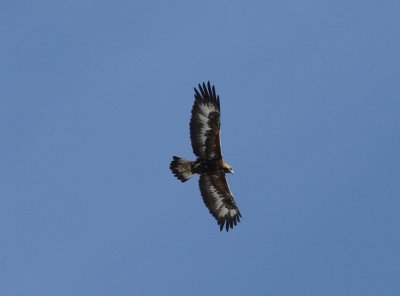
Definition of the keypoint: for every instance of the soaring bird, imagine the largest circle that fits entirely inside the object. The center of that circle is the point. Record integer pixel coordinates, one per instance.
(205, 130)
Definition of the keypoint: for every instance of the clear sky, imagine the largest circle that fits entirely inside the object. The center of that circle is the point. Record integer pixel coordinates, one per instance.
(95, 98)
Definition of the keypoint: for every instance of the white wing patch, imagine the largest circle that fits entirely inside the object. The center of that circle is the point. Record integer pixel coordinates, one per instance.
(223, 212)
(206, 109)
(201, 118)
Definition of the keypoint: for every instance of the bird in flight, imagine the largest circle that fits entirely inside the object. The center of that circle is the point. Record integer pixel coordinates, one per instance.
(205, 135)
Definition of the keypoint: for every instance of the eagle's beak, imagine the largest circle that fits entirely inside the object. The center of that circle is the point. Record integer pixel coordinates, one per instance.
(232, 172)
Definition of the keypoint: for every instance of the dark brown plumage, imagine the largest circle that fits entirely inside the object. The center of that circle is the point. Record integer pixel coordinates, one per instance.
(205, 131)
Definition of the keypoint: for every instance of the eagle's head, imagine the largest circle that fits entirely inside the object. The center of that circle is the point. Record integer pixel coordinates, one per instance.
(227, 168)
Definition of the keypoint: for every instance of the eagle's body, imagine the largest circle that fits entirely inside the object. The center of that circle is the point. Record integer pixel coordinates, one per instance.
(205, 137)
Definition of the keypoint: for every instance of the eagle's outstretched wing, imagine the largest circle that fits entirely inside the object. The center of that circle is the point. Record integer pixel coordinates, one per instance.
(219, 200)
(205, 123)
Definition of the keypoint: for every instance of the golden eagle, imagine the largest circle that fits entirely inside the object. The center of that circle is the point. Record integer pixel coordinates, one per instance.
(205, 136)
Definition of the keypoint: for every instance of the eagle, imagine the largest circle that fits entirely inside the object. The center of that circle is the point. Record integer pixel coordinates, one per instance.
(205, 130)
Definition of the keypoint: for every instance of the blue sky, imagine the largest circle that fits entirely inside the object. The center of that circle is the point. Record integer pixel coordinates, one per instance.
(95, 99)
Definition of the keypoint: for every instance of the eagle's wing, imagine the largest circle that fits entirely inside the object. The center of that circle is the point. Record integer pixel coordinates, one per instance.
(219, 200)
(205, 123)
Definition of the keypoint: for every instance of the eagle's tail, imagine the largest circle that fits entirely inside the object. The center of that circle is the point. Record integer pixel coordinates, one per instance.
(182, 169)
